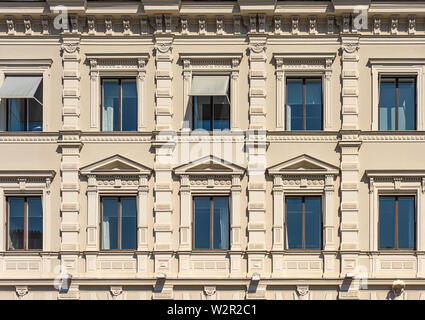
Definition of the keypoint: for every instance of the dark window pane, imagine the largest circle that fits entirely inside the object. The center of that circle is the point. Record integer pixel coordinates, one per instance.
(294, 223)
(221, 113)
(110, 223)
(16, 223)
(16, 115)
(294, 104)
(313, 107)
(202, 113)
(35, 115)
(386, 222)
(129, 223)
(387, 104)
(129, 105)
(221, 223)
(35, 223)
(406, 222)
(406, 104)
(110, 107)
(202, 223)
(313, 223)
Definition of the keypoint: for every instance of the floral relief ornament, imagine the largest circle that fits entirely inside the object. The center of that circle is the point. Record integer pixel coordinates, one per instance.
(258, 47)
(351, 47)
(71, 47)
(164, 47)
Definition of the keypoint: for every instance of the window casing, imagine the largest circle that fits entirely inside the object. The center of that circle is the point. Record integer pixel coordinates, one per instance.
(211, 113)
(119, 104)
(397, 103)
(304, 104)
(24, 223)
(119, 223)
(211, 223)
(303, 222)
(397, 222)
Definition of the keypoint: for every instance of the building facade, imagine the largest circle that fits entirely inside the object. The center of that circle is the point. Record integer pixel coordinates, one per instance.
(212, 150)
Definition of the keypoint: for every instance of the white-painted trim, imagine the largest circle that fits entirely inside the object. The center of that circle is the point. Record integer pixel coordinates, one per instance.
(398, 67)
(28, 67)
(313, 64)
(117, 65)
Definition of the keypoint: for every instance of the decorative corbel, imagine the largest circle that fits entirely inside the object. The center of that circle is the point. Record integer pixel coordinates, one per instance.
(45, 24)
(27, 25)
(108, 25)
(346, 18)
(394, 24)
(10, 25)
(185, 25)
(277, 25)
(302, 292)
(412, 24)
(74, 23)
(167, 22)
(295, 25)
(126, 26)
(261, 23)
(331, 24)
(237, 24)
(21, 291)
(209, 291)
(91, 25)
(144, 25)
(220, 25)
(202, 26)
(376, 24)
(253, 23)
(312, 24)
(115, 292)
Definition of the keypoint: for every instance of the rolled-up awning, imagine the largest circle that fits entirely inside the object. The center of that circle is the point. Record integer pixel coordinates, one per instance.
(20, 87)
(209, 86)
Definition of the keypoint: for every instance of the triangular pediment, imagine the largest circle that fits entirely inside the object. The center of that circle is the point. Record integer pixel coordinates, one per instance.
(303, 164)
(115, 165)
(209, 165)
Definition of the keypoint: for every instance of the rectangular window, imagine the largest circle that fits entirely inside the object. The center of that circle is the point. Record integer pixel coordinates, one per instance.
(396, 222)
(25, 223)
(119, 105)
(25, 114)
(303, 222)
(397, 103)
(119, 223)
(211, 223)
(304, 107)
(211, 113)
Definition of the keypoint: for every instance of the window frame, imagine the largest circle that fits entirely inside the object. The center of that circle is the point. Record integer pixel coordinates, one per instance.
(119, 197)
(212, 111)
(211, 235)
(303, 249)
(396, 196)
(120, 102)
(303, 78)
(26, 196)
(397, 77)
(26, 116)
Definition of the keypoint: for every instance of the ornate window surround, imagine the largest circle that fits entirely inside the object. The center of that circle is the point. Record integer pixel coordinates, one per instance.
(116, 175)
(303, 175)
(27, 183)
(119, 65)
(28, 67)
(396, 182)
(209, 175)
(399, 66)
(298, 64)
(210, 64)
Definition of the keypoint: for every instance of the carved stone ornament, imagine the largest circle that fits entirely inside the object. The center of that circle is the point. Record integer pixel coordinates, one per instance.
(302, 290)
(209, 291)
(21, 291)
(10, 25)
(258, 47)
(163, 47)
(116, 291)
(27, 24)
(71, 47)
(91, 25)
(351, 47)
